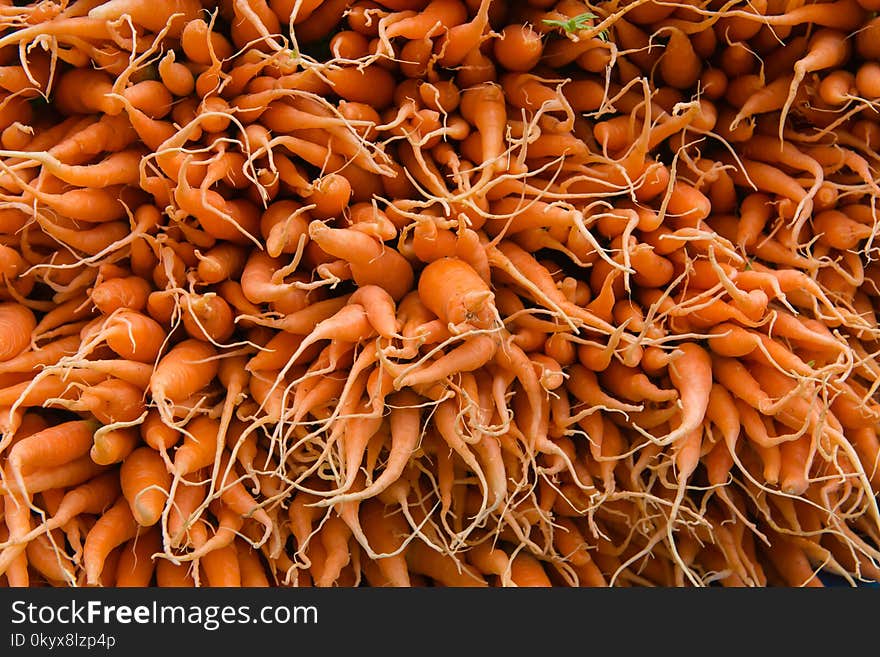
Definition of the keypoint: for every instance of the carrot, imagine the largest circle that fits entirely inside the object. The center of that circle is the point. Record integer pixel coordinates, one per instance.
(406, 432)
(169, 574)
(284, 225)
(68, 474)
(679, 65)
(208, 317)
(113, 446)
(176, 77)
(145, 483)
(460, 39)
(837, 230)
(51, 562)
(136, 562)
(827, 48)
(221, 567)
(838, 87)
(472, 354)
(117, 169)
(428, 22)
(132, 335)
(632, 385)
(112, 529)
(371, 262)
(518, 48)
(843, 14)
(187, 368)
(198, 448)
(379, 307)
(790, 562)
(526, 570)
(128, 292)
(48, 354)
(17, 322)
(84, 91)
(53, 446)
(443, 569)
(235, 496)
(483, 106)
(259, 280)
(250, 566)
(111, 401)
(172, 15)
(584, 385)
(453, 291)
(229, 524)
(38, 390)
(185, 510)
(761, 99)
(278, 351)
(691, 375)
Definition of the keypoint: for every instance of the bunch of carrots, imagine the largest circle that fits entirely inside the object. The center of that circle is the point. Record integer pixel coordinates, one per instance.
(439, 293)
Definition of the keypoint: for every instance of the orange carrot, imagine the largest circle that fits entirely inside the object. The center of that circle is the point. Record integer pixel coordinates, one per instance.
(145, 483)
(136, 562)
(112, 529)
(17, 322)
(187, 368)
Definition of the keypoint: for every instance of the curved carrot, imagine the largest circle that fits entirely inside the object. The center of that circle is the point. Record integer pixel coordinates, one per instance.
(145, 482)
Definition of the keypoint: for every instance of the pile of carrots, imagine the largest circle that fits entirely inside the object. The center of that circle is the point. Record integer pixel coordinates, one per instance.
(439, 293)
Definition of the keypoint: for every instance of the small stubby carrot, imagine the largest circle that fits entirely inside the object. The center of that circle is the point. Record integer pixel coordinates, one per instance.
(208, 317)
(223, 261)
(188, 367)
(114, 445)
(145, 483)
(583, 383)
(519, 48)
(133, 335)
(680, 66)
(380, 308)
(157, 434)
(176, 77)
(127, 292)
(455, 293)
(836, 229)
(111, 401)
(632, 385)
